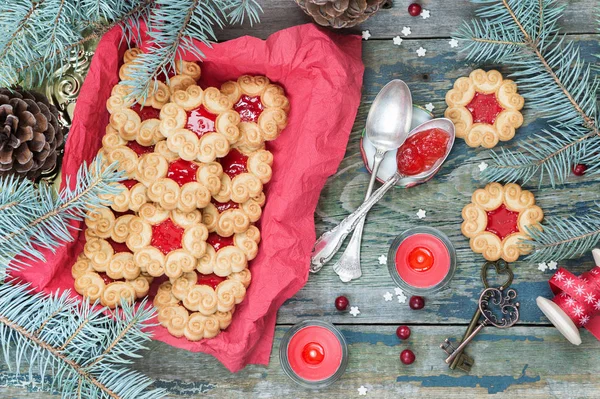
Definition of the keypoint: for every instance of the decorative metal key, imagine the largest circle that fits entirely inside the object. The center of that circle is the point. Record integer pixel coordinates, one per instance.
(498, 310)
(462, 360)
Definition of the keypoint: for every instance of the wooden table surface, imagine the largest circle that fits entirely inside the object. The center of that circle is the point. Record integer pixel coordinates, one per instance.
(531, 360)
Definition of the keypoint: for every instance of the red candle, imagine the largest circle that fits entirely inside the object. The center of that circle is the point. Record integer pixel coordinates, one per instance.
(314, 353)
(422, 259)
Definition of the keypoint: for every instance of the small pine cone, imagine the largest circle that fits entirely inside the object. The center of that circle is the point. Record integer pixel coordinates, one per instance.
(31, 135)
(341, 13)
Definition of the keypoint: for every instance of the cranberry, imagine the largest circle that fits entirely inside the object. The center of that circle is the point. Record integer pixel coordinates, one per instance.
(407, 356)
(341, 303)
(416, 302)
(403, 332)
(414, 9)
(579, 169)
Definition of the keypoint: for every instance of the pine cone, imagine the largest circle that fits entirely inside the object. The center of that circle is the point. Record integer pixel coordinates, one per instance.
(30, 133)
(341, 13)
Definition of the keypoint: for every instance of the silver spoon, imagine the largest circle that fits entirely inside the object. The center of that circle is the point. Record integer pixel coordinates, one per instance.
(328, 244)
(388, 125)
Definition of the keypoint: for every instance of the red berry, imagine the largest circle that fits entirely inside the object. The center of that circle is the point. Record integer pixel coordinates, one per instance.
(416, 302)
(407, 356)
(579, 169)
(403, 332)
(414, 9)
(341, 303)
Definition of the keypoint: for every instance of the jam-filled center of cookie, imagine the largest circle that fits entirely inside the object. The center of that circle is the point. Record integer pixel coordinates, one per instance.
(107, 280)
(166, 236)
(223, 206)
(129, 183)
(146, 112)
(249, 108)
(182, 171)
(140, 149)
(212, 280)
(234, 163)
(118, 246)
(421, 151)
(484, 108)
(219, 242)
(200, 121)
(502, 222)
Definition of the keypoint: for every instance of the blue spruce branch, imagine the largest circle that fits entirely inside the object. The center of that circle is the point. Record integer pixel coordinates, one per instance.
(84, 351)
(565, 238)
(524, 35)
(33, 217)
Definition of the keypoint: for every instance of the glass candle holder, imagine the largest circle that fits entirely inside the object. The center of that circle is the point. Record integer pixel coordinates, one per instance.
(422, 260)
(314, 354)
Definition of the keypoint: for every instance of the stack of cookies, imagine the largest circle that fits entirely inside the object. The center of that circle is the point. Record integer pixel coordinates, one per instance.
(184, 220)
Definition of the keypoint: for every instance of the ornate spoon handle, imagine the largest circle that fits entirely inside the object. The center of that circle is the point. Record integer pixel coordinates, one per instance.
(330, 242)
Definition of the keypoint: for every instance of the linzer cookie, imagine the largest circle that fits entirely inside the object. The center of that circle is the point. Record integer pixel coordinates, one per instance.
(485, 108)
(497, 219)
(196, 165)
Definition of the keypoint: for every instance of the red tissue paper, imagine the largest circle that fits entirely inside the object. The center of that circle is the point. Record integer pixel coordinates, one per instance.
(321, 73)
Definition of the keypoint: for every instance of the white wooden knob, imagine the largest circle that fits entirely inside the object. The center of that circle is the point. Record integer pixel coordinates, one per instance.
(560, 319)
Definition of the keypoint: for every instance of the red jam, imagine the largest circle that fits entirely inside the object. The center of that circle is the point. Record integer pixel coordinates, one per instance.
(212, 280)
(129, 183)
(234, 163)
(146, 112)
(166, 236)
(223, 206)
(421, 151)
(420, 259)
(182, 171)
(107, 280)
(313, 353)
(139, 149)
(200, 121)
(502, 222)
(249, 108)
(118, 246)
(219, 242)
(484, 108)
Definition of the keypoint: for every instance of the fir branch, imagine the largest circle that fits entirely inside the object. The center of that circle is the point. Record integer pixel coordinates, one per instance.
(523, 34)
(565, 238)
(33, 217)
(60, 335)
(174, 24)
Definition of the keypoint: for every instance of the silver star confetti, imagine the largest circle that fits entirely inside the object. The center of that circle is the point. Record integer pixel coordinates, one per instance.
(421, 52)
(398, 291)
(429, 107)
(362, 391)
(425, 14)
(402, 298)
(406, 31)
(397, 40)
(354, 311)
(388, 296)
(542, 266)
(366, 34)
(382, 260)
(482, 166)
(453, 43)
(552, 265)
(422, 214)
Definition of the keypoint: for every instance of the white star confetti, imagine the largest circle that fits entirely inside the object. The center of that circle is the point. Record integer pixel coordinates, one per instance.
(425, 14)
(398, 291)
(366, 34)
(362, 391)
(482, 166)
(542, 266)
(429, 107)
(382, 260)
(397, 40)
(421, 52)
(388, 296)
(402, 298)
(406, 31)
(552, 265)
(354, 311)
(422, 214)
(453, 43)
